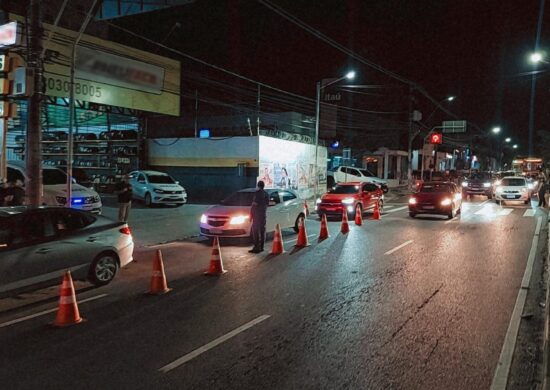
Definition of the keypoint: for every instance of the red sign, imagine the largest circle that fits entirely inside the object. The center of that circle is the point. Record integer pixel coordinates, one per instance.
(436, 138)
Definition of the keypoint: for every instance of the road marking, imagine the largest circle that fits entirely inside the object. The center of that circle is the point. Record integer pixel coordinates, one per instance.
(500, 379)
(398, 247)
(529, 213)
(296, 239)
(455, 219)
(17, 320)
(397, 209)
(386, 206)
(214, 343)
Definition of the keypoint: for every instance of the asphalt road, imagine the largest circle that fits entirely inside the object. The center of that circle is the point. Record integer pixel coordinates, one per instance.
(405, 303)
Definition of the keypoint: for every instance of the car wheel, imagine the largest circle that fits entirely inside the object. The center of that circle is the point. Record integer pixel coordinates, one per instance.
(148, 200)
(296, 224)
(412, 215)
(497, 201)
(103, 268)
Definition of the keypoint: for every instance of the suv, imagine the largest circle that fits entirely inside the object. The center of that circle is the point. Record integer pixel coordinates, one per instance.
(352, 174)
(480, 183)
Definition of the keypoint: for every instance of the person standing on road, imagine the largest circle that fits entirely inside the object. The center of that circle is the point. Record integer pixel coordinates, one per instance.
(542, 192)
(258, 214)
(124, 191)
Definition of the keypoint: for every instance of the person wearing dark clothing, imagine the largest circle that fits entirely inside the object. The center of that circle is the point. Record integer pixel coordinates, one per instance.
(124, 191)
(542, 191)
(14, 195)
(3, 193)
(258, 214)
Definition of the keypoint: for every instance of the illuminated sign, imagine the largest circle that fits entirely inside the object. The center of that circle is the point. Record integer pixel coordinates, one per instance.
(9, 35)
(436, 138)
(204, 133)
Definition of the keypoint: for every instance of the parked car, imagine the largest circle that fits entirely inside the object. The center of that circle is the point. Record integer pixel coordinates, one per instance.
(478, 183)
(351, 174)
(155, 187)
(348, 196)
(37, 244)
(440, 198)
(55, 188)
(231, 218)
(512, 188)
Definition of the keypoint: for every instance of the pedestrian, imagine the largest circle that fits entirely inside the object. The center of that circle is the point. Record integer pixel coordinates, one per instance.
(3, 192)
(258, 214)
(542, 192)
(124, 192)
(14, 195)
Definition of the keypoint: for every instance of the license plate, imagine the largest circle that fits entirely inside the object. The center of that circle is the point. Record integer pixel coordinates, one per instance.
(216, 231)
(510, 197)
(429, 207)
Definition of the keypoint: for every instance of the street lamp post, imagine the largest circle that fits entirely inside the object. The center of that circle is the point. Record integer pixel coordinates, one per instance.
(320, 86)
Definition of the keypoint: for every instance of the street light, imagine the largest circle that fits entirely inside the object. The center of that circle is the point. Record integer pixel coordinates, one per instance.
(451, 98)
(496, 130)
(515, 146)
(536, 57)
(508, 139)
(320, 85)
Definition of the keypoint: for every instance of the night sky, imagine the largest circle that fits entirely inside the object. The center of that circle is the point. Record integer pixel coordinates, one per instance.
(476, 50)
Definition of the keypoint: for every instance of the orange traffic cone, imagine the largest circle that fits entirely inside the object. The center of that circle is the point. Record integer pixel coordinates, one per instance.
(306, 208)
(344, 229)
(302, 235)
(277, 247)
(216, 264)
(376, 212)
(358, 216)
(67, 313)
(158, 284)
(323, 235)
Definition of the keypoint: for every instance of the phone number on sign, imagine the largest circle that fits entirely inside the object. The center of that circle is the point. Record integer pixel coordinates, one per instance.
(79, 89)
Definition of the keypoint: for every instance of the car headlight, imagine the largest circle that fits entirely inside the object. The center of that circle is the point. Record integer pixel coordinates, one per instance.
(348, 201)
(158, 191)
(318, 201)
(524, 189)
(486, 185)
(61, 199)
(412, 201)
(238, 220)
(499, 189)
(446, 202)
(464, 184)
(203, 218)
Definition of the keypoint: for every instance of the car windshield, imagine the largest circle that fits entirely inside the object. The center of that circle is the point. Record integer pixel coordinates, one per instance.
(513, 182)
(367, 173)
(480, 176)
(344, 190)
(53, 176)
(435, 188)
(160, 179)
(239, 199)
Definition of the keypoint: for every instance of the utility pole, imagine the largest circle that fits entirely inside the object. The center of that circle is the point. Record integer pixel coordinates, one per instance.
(33, 157)
(411, 138)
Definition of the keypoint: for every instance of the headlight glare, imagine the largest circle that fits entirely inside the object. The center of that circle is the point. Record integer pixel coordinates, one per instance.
(238, 220)
(464, 184)
(446, 202)
(203, 218)
(348, 201)
(412, 201)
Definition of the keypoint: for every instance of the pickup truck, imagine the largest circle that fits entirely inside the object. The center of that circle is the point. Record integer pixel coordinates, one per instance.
(353, 174)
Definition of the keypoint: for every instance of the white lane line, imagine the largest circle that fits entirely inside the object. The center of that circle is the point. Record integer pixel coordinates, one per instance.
(386, 206)
(500, 379)
(296, 239)
(191, 355)
(529, 213)
(397, 209)
(399, 247)
(17, 320)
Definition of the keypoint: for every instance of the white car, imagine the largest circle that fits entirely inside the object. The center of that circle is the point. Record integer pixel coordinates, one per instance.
(155, 187)
(55, 188)
(512, 188)
(352, 174)
(231, 218)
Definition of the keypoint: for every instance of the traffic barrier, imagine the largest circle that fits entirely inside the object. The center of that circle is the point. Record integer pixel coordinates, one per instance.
(358, 216)
(277, 248)
(67, 313)
(302, 235)
(376, 212)
(158, 284)
(216, 263)
(344, 229)
(323, 235)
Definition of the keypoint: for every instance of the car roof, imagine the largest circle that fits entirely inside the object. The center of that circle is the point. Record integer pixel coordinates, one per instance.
(513, 177)
(437, 182)
(152, 173)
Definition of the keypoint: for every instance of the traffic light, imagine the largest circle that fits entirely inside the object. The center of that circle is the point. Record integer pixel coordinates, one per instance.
(436, 138)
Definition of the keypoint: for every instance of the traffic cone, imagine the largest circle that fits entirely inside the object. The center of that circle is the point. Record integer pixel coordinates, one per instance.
(302, 235)
(323, 235)
(277, 247)
(376, 212)
(67, 313)
(344, 229)
(358, 216)
(158, 284)
(216, 264)
(306, 208)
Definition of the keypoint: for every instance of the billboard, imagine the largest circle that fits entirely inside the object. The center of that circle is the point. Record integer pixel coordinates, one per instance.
(110, 73)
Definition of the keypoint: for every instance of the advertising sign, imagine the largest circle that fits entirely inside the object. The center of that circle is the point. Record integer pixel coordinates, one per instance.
(9, 35)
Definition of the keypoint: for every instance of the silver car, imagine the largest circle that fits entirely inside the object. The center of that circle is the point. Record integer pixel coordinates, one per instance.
(38, 244)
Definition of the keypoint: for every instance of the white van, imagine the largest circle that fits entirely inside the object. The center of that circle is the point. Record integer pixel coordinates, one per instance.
(55, 188)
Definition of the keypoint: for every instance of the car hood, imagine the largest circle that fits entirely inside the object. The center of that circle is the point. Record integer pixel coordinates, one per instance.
(336, 197)
(511, 188)
(77, 190)
(168, 187)
(223, 211)
(431, 196)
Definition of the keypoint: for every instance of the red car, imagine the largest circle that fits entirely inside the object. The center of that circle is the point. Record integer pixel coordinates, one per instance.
(436, 198)
(347, 196)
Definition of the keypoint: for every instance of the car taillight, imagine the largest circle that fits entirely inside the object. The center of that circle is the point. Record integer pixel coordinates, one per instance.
(125, 230)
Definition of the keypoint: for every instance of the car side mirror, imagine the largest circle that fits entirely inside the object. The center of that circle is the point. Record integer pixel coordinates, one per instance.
(177, 182)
